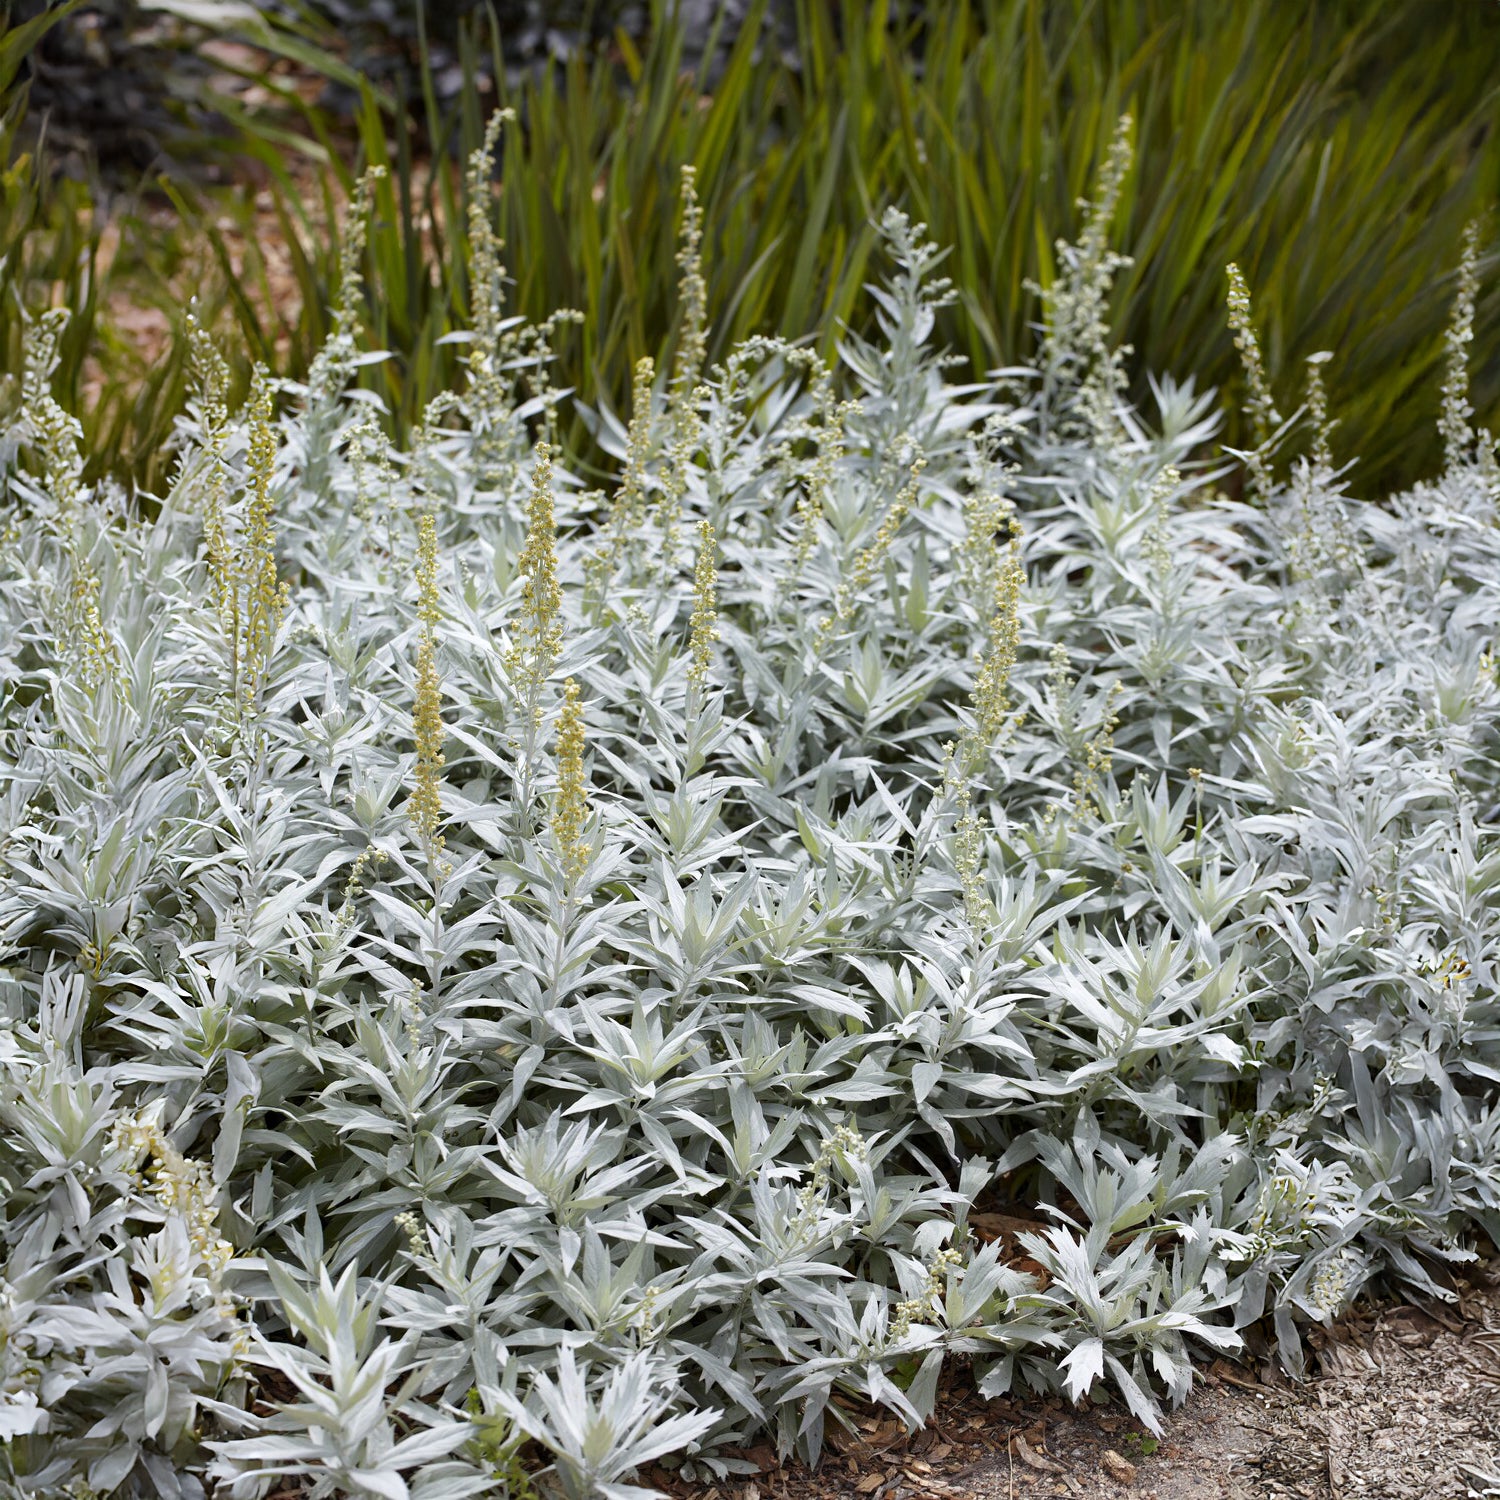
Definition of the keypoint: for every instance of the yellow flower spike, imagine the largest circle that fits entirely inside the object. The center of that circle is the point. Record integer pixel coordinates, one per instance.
(265, 597)
(992, 705)
(537, 642)
(1317, 410)
(692, 289)
(570, 814)
(1453, 424)
(628, 509)
(486, 272)
(56, 434)
(705, 619)
(425, 805)
(1259, 407)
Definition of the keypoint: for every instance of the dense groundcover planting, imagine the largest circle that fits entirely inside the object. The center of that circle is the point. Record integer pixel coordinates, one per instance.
(489, 962)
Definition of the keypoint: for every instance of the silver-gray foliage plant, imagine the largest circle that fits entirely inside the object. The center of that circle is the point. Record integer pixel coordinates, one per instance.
(890, 794)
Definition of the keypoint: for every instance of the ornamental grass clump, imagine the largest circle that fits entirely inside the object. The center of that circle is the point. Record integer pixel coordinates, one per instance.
(592, 1019)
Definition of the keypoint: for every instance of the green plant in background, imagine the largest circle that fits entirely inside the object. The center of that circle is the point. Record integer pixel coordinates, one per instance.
(1333, 152)
(1319, 148)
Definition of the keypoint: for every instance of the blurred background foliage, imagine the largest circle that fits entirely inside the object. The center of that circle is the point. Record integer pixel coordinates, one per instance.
(1335, 150)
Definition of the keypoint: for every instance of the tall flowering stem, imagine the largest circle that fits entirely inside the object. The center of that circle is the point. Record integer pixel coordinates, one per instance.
(628, 510)
(1458, 435)
(265, 596)
(425, 806)
(969, 856)
(336, 360)
(210, 375)
(1259, 407)
(536, 643)
(1076, 357)
(692, 352)
(538, 637)
(993, 716)
(248, 594)
(692, 288)
(704, 625)
(570, 811)
(1317, 412)
(503, 354)
(331, 366)
(489, 394)
(1098, 760)
(56, 434)
(486, 270)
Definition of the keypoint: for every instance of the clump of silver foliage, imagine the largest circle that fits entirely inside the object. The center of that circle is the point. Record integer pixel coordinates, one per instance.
(488, 962)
